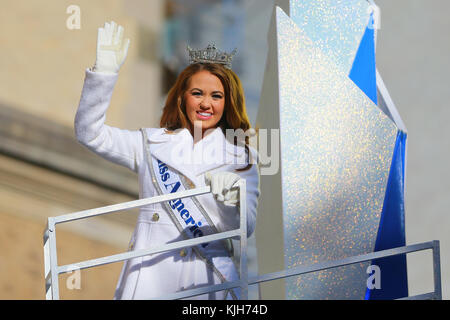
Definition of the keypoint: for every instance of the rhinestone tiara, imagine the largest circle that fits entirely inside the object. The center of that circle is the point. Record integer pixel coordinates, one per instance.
(211, 55)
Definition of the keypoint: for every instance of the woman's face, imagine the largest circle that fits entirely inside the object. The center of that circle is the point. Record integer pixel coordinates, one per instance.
(205, 100)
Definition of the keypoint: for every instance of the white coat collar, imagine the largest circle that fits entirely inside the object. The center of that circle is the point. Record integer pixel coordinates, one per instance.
(179, 152)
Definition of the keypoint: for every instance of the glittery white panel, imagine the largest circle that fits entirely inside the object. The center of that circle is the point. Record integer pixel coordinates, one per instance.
(335, 26)
(336, 151)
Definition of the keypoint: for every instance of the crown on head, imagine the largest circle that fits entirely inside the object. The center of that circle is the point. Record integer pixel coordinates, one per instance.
(211, 55)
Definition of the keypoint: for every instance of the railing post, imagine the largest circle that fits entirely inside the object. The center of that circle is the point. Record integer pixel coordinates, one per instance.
(437, 270)
(243, 242)
(53, 267)
(47, 272)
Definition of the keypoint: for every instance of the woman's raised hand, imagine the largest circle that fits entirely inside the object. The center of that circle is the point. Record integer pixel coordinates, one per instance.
(111, 49)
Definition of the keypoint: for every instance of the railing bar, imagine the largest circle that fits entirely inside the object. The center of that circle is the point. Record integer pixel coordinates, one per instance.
(145, 252)
(130, 205)
(340, 263)
(48, 286)
(243, 240)
(199, 291)
(48, 295)
(437, 270)
(48, 283)
(425, 296)
(46, 257)
(236, 284)
(54, 285)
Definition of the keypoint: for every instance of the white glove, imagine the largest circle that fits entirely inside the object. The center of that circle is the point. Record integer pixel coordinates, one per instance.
(221, 186)
(111, 50)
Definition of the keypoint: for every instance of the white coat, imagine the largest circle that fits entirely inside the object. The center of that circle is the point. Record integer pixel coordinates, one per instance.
(156, 275)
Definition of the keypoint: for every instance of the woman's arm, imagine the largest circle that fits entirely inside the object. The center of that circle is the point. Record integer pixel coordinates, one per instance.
(120, 146)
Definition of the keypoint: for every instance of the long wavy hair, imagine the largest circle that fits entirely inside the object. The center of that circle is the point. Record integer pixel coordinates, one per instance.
(234, 116)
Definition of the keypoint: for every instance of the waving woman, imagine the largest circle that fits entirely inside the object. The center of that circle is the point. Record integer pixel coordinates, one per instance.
(189, 150)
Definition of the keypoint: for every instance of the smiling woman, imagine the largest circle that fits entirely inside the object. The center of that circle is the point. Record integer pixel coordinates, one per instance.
(207, 97)
(208, 88)
(204, 100)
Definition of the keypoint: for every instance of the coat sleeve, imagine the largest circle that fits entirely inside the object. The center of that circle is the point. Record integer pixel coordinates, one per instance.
(123, 147)
(230, 214)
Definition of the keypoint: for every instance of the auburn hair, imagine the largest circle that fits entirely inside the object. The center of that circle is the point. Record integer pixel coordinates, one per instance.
(234, 116)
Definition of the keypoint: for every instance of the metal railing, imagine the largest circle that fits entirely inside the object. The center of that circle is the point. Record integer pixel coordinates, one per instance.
(52, 270)
(432, 245)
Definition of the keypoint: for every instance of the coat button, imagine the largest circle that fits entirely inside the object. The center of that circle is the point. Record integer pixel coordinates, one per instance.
(155, 217)
(183, 253)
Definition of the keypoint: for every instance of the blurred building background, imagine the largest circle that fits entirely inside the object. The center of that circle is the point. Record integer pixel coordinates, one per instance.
(45, 172)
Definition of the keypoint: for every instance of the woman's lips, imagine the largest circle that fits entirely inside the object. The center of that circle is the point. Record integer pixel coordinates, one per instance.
(204, 115)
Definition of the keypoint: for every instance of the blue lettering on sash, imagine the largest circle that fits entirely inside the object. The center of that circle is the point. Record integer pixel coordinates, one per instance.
(178, 203)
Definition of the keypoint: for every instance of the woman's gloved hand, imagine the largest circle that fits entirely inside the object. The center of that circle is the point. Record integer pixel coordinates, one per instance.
(111, 49)
(221, 186)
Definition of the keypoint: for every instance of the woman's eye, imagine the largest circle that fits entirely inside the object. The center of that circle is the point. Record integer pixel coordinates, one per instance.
(196, 93)
(217, 96)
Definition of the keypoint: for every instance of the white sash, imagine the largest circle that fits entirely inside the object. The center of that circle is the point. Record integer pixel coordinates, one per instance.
(191, 219)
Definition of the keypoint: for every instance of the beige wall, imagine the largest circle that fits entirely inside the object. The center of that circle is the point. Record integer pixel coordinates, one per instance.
(43, 62)
(43, 170)
(21, 262)
(28, 195)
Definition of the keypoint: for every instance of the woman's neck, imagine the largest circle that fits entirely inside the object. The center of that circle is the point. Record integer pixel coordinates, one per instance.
(199, 133)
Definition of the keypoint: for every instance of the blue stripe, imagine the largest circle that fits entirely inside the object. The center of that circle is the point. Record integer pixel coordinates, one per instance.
(363, 72)
(391, 232)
